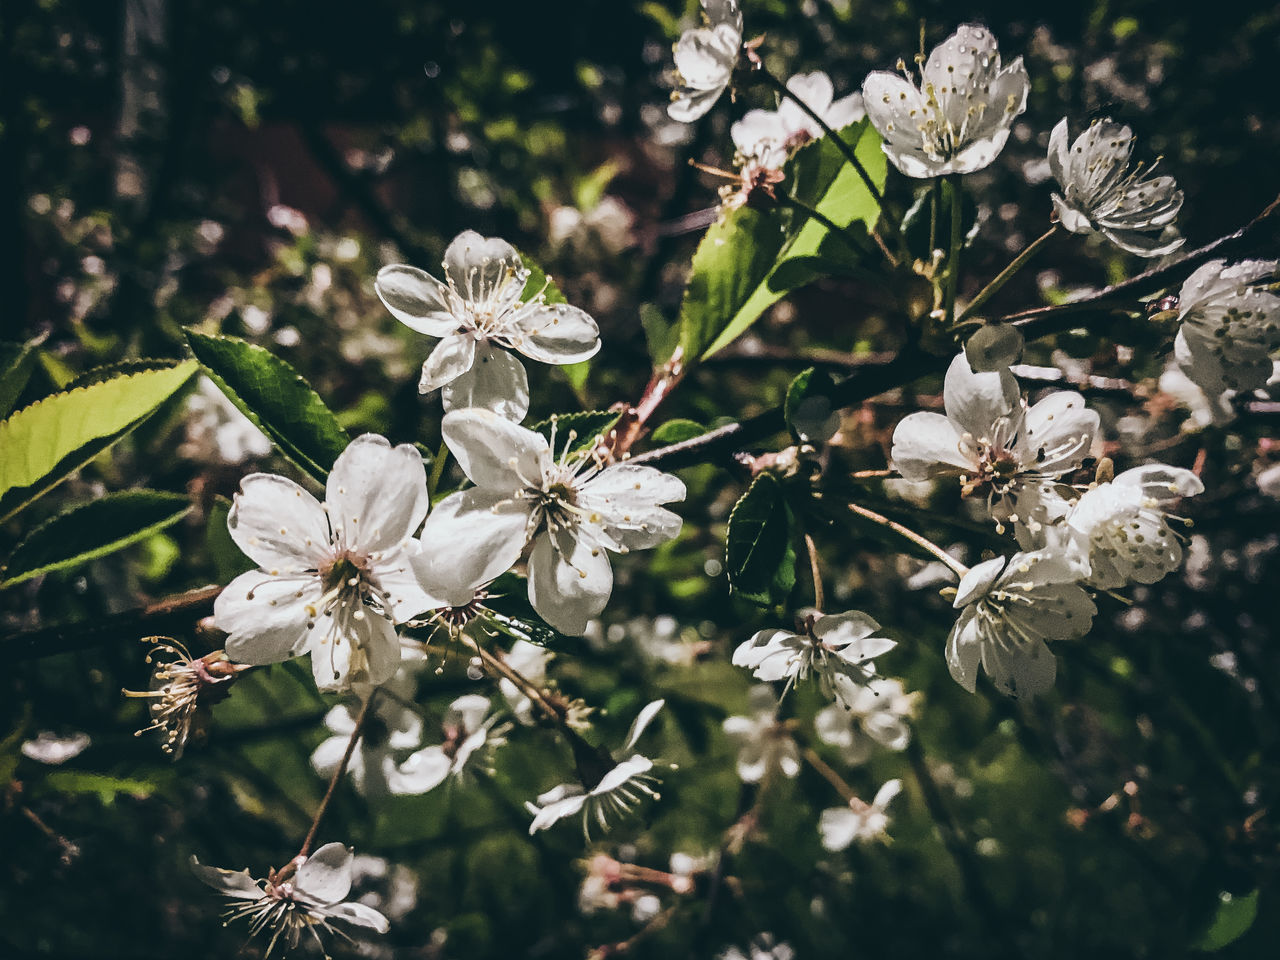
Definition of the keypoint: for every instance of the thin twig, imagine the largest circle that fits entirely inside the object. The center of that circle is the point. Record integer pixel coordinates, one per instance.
(954, 565)
(1003, 277)
(356, 734)
(828, 774)
(816, 572)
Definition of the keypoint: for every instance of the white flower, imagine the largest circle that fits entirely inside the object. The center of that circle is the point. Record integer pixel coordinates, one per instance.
(47, 747)
(858, 821)
(1122, 525)
(1009, 612)
(996, 444)
(838, 648)
(958, 119)
(877, 713)
(291, 901)
(774, 133)
(573, 510)
(763, 947)
(391, 728)
(468, 729)
(705, 59)
(530, 661)
(217, 432)
(1100, 195)
(1230, 325)
(333, 579)
(764, 743)
(619, 788)
(480, 317)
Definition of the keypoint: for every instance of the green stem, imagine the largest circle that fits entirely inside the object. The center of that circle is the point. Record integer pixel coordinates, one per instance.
(957, 239)
(437, 469)
(935, 201)
(1018, 262)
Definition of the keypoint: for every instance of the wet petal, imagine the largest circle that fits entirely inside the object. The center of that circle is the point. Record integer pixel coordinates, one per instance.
(277, 524)
(452, 358)
(556, 333)
(570, 581)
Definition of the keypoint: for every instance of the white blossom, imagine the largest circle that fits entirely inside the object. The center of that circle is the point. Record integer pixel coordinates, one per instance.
(839, 648)
(775, 133)
(291, 901)
(878, 713)
(1010, 610)
(705, 60)
(1230, 324)
(480, 315)
(469, 728)
(1135, 211)
(765, 744)
(333, 579)
(49, 748)
(617, 791)
(958, 119)
(572, 509)
(996, 444)
(1123, 529)
(858, 821)
(762, 947)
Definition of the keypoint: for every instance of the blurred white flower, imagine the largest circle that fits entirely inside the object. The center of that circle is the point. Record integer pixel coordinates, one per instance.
(480, 316)
(705, 60)
(839, 648)
(1135, 211)
(573, 510)
(762, 947)
(1010, 610)
(333, 579)
(858, 821)
(762, 133)
(47, 747)
(1230, 324)
(304, 896)
(1269, 481)
(764, 743)
(1203, 411)
(958, 119)
(877, 714)
(469, 732)
(217, 432)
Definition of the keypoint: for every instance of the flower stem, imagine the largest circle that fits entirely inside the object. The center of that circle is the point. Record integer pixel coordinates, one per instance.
(952, 564)
(1018, 262)
(437, 469)
(816, 572)
(935, 201)
(957, 240)
(828, 774)
(356, 733)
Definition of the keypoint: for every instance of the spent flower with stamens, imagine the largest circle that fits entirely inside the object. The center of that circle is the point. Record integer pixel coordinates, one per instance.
(481, 316)
(1230, 325)
(333, 579)
(705, 59)
(1010, 609)
(997, 445)
(573, 509)
(302, 897)
(839, 648)
(958, 118)
(1134, 210)
(183, 688)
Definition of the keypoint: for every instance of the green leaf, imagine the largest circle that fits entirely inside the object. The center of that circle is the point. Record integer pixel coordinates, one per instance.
(1234, 917)
(107, 788)
(812, 415)
(17, 360)
(53, 437)
(92, 530)
(274, 396)
(759, 554)
(588, 426)
(676, 431)
(751, 248)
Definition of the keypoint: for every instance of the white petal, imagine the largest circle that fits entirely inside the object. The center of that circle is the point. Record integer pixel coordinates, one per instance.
(1060, 432)
(927, 445)
(493, 452)
(838, 826)
(277, 524)
(230, 883)
(978, 581)
(361, 915)
(569, 581)
(416, 299)
(1059, 152)
(265, 618)
(361, 651)
(976, 400)
(964, 650)
(377, 494)
(422, 771)
(641, 722)
(469, 539)
(497, 381)
(757, 128)
(1021, 669)
(400, 585)
(626, 498)
(451, 358)
(839, 629)
(484, 269)
(556, 333)
(325, 877)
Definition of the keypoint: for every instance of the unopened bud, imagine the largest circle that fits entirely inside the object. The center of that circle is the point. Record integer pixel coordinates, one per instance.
(993, 348)
(1105, 472)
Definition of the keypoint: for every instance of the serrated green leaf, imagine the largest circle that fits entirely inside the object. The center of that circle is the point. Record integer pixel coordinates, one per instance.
(17, 360)
(40, 445)
(92, 530)
(751, 248)
(274, 396)
(1231, 921)
(586, 426)
(760, 557)
(676, 431)
(811, 414)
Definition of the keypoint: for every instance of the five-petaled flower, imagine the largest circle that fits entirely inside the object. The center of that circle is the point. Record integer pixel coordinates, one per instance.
(1100, 195)
(705, 60)
(480, 314)
(958, 119)
(777, 132)
(573, 509)
(333, 579)
(858, 820)
(301, 897)
(765, 743)
(469, 729)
